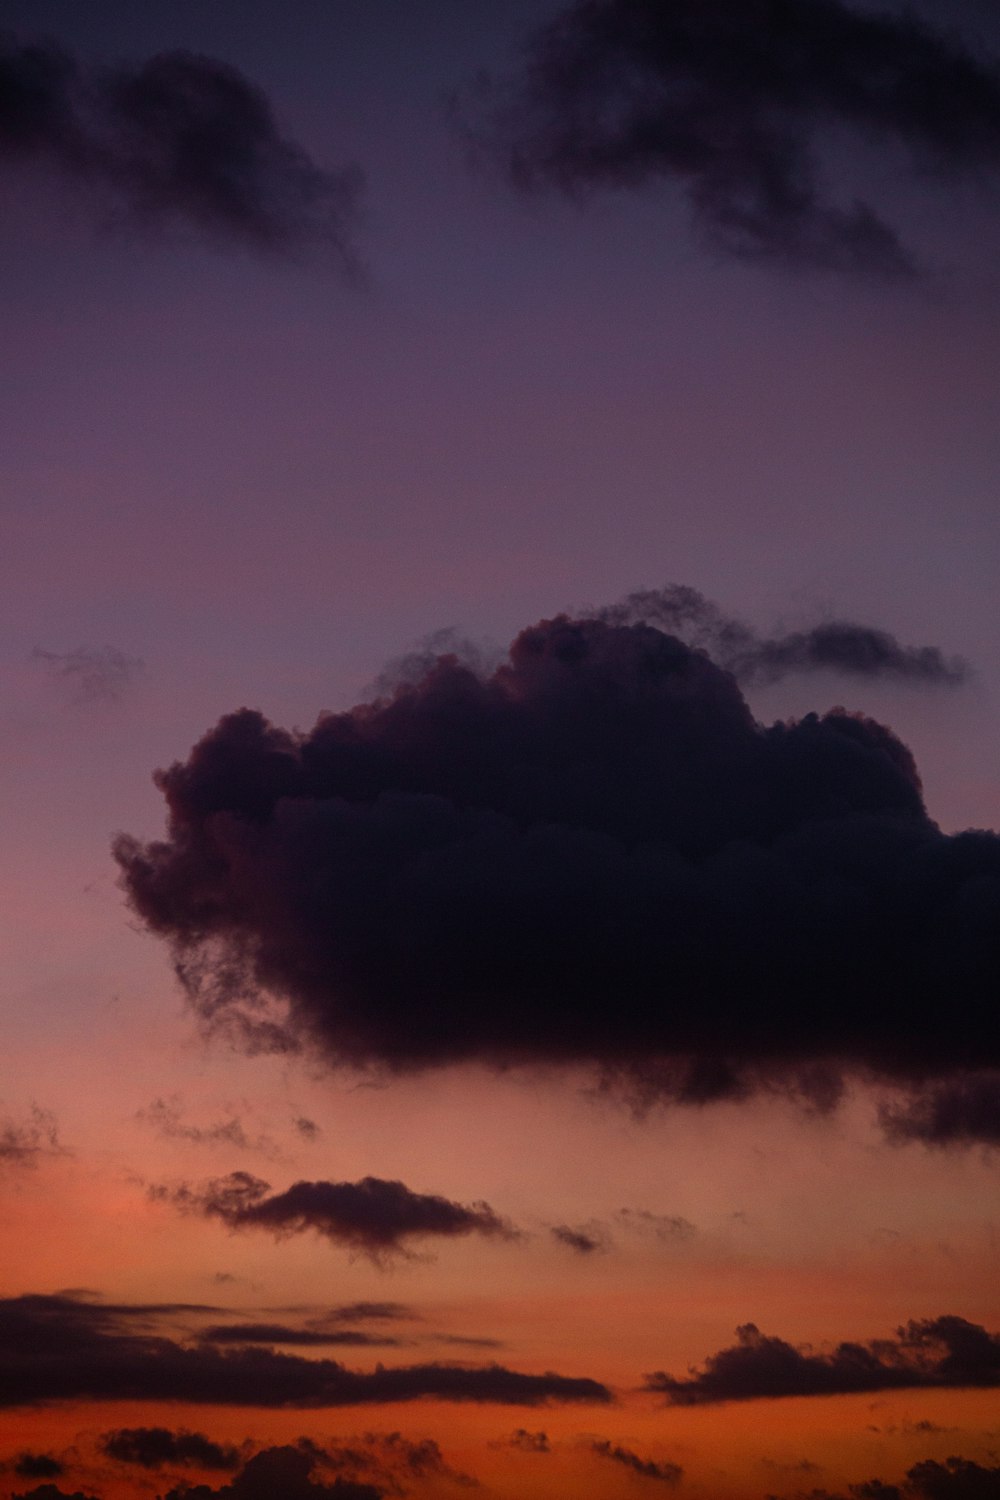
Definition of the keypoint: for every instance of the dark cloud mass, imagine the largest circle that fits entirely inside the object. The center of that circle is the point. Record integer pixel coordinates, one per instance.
(646, 1468)
(159, 1447)
(730, 100)
(38, 1466)
(955, 1479)
(287, 1472)
(959, 1111)
(179, 140)
(58, 1348)
(284, 1333)
(934, 1352)
(372, 1217)
(596, 855)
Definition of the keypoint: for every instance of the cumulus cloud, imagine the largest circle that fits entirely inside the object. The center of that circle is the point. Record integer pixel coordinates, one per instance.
(945, 1351)
(594, 854)
(729, 101)
(373, 1217)
(94, 674)
(179, 140)
(286, 1471)
(645, 1468)
(159, 1447)
(61, 1348)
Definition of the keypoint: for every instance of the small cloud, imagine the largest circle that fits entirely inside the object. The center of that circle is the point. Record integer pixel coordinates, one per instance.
(588, 1239)
(24, 1142)
(645, 1468)
(664, 1227)
(524, 1441)
(94, 674)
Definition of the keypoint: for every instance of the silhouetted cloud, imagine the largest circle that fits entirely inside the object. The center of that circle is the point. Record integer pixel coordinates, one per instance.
(960, 1111)
(178, 140)
(38, 1466)
(594, 855)
(51, 1492)
(955, 1479)
(387, 1459)
(373, 1217)
(946, 1351)
(286, 1471)
(646, 1468)
(24, 1141)
(284, 1333)
(729, 100)
(159, 1447)
(95, 674)
(842, 646)
(60, 1348)
(525, 1441)
(585, 1240)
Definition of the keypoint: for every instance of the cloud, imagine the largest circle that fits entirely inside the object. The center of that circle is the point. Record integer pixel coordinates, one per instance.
(525, 1441)
(283, 1333)
(586, 1240)
(158, 1447)
(729, 101)
(285, 1471)
(959, 1111)
(842, 646)
(371, 1217)
(61, 1348)
(955, 1479)
(51, 1492)
(946, 1351)
(96, 674)
(593, 855)
(24, 1142)
(646, 1468)
(166, 1117)
(388, 1459)
(664, 1227)
(38, 1466)
(179, 140)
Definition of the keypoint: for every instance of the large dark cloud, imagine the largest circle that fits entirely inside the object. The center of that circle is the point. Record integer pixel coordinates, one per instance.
(59, 1348)
(729, 99)
(372, 1217)
(38, 1466)
(958, 1111)
(285, 1333)
(161, 1447)
(286, 1471)
(595, 854)
(177, 141)
(946, 1351)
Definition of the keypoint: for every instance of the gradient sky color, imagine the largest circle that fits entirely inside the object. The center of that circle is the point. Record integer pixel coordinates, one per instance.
(239, 477)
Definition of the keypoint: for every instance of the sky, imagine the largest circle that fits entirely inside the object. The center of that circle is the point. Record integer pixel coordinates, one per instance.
(500, 720)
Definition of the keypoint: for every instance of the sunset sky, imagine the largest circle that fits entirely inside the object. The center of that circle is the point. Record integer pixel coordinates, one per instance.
(523, 479)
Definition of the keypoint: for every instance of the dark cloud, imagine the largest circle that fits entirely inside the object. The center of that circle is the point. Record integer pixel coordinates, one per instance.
(38, 1466)
(306, 1128)
(525, 1441)
(946, 1351)
(955, 1479)
(729, 99)
(842, 646)
(59, 1348)
(286, 1471)
(23, 1142)
(646, 1468)
(387, 1459)
(586, 1240)
(51, 1492)
(960, 1111)
(283, 1333)
(594, 855)
(159, 1447)
(95, 674)
(177, 141)
(372, 1217)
